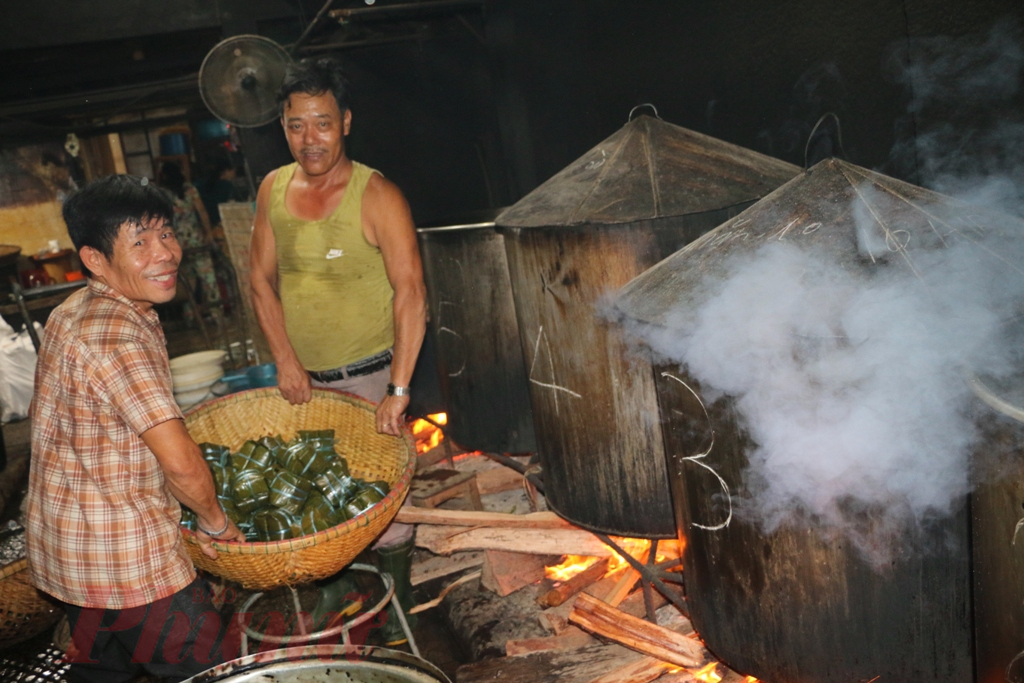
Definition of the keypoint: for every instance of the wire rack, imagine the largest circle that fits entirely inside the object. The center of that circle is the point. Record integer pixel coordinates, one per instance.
(47, 666)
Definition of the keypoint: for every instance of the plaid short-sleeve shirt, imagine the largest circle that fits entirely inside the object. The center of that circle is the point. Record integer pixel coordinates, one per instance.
(102, 525)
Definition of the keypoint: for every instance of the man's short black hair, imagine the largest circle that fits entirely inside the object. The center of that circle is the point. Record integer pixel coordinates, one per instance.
(94, 214)
(315, 76)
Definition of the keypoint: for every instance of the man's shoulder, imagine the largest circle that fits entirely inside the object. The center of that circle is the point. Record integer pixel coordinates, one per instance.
(104, 324)
(380, 189)
(286, 170)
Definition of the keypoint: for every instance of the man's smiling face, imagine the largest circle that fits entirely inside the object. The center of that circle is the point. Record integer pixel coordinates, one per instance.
(144, 264)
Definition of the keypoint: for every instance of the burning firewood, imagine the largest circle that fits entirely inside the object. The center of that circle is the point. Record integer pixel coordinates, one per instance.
(562, 590)
(505, 572)
(636, 633)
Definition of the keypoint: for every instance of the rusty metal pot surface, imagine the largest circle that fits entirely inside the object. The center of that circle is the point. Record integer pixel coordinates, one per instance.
(480, 363)
(315, 663)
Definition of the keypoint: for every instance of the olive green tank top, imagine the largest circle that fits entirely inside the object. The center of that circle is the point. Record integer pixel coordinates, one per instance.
(336, 295)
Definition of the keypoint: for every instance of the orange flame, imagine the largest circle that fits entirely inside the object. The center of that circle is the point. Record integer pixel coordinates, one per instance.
(427, 435)
(751, 679)
(708, 673)
(571, 565)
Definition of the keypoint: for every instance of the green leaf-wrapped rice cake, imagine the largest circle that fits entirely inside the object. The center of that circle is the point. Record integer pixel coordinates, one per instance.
(272, 524)
(252, 456)
(274, 490)
(289, 491)
(249, 490)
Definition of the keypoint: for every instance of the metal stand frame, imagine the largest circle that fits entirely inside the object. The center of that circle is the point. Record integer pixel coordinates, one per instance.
(343, 628)
(653, 575)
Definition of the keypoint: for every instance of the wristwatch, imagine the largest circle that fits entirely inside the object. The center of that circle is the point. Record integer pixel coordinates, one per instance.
(397, 391)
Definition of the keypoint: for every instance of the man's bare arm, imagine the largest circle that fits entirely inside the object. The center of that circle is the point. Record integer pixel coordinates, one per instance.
(387, 214)
(292, 379)
(189, 479)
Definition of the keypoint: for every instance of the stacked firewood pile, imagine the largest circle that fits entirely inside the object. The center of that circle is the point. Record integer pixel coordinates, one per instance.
(587, 627)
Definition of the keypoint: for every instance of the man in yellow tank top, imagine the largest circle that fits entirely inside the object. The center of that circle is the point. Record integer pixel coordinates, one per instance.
(336, 277)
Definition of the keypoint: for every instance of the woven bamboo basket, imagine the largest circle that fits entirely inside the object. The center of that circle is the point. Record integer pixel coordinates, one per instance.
(371, 456)
(24, 611)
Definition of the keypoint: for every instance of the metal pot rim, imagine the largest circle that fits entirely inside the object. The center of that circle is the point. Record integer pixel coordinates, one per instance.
(325, 653)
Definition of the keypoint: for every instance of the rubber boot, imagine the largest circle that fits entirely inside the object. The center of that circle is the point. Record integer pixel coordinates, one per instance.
(339, 598)
(396, 560)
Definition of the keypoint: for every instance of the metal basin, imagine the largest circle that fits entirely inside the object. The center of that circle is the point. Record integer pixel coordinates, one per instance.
(350, 663)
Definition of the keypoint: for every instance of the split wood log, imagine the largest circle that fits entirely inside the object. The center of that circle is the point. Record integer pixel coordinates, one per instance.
(562, 591)
(442, 451)
(634, 604)
(571, 639)
(643, 670)
(433, 487)
(498, 479)
(474, 518)
(625, 585)
(438, 566)
(444, 540)
(635, 633)
(622, 588)
(557, 618)
(555, 666)
(447, 589)
(506, 573)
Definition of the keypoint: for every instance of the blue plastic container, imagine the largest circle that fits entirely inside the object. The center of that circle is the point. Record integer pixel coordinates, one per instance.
(236, 381)
(262, 375)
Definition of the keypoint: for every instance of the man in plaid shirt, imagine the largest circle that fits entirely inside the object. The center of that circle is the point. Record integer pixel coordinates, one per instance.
(111, 458)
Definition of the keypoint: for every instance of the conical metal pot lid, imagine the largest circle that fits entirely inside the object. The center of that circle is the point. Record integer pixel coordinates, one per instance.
(649, 169)
(860, 218)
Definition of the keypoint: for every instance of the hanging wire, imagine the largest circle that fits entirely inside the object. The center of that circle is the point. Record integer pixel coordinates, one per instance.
(839, 136)
(641, 106)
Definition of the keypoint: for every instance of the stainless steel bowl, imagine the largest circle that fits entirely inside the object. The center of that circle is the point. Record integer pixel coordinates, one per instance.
(314, 663)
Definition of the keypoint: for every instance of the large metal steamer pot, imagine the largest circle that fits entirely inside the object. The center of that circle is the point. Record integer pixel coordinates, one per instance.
(316, 663)
(480, 364)
(998, 563)
(792, 606)
(630, 201)
(796, 605)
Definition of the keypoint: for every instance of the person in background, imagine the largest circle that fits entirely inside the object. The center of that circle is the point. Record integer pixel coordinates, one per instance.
(336, 277)
(112, 459)
(192, 228)
(216, 188)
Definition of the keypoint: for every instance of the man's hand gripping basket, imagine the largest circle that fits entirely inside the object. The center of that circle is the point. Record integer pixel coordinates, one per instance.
(371, 456)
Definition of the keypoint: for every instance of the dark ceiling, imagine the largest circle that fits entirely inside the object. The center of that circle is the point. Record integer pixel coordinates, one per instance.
(72, 65)
(469, 104)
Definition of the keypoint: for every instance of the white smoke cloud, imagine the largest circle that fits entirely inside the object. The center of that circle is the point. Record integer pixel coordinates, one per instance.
(852, 387)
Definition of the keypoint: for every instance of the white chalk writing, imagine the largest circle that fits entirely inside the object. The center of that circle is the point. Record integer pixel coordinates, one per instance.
(699, 458)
